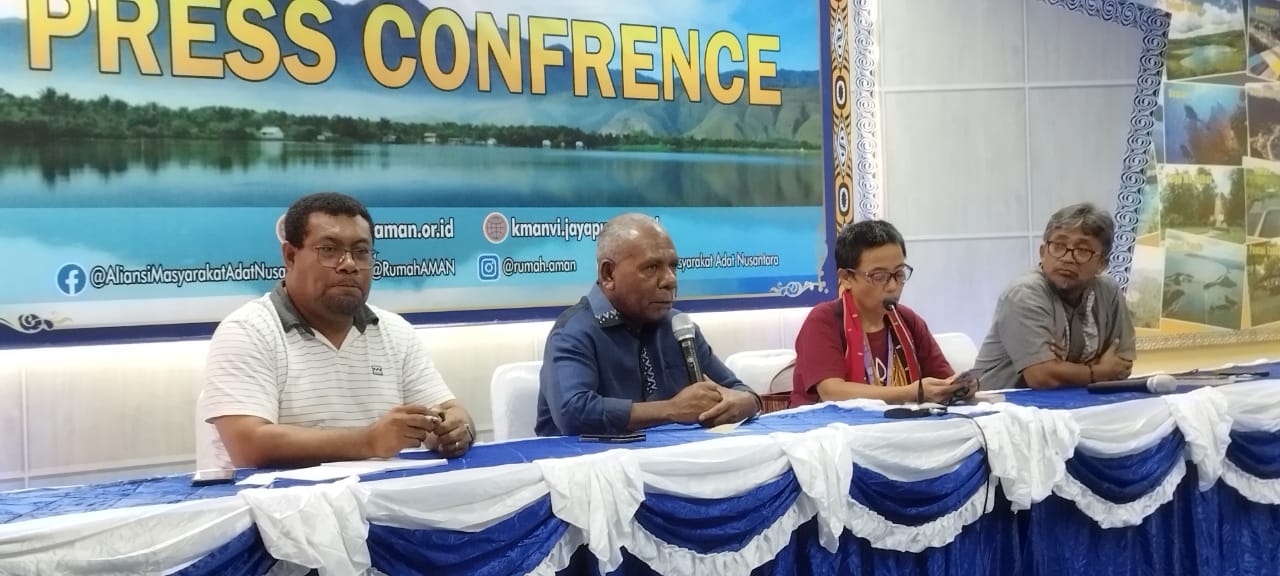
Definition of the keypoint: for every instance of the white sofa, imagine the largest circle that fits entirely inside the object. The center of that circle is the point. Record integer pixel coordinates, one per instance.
(90, 413)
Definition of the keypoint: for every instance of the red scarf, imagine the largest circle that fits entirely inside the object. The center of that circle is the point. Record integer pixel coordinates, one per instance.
(860, 364)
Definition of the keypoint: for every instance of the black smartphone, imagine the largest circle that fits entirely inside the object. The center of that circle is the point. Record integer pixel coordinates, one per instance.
(966, 381)
(969, 377)
(624, 438)
(904, 412)
(1240, 372)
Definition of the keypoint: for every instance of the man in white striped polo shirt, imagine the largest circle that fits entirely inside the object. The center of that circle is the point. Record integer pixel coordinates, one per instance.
(310, 373)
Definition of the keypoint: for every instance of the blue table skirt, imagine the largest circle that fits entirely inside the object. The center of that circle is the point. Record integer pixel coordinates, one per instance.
(1213, 532)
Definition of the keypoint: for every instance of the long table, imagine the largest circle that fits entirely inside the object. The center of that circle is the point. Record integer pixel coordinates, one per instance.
(1042, 483)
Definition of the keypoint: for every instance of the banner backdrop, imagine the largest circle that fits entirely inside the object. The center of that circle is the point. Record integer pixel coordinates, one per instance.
(1206, 266)
(149, 148)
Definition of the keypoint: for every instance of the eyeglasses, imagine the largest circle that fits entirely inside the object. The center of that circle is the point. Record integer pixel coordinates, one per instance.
(331, 256)
(881, 277)
(1078, 255)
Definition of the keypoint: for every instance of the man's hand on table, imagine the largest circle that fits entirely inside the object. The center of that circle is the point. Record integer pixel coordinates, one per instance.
(1111, 365)
(455, 434)
(400, 428)
(687, 406)
(734, 406)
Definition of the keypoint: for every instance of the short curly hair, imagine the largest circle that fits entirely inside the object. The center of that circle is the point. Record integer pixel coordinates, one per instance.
(331, 203)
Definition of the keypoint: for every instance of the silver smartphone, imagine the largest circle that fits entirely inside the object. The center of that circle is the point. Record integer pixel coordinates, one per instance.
(213, 476)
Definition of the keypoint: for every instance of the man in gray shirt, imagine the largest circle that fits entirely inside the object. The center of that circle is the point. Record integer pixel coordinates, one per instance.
(1063, 324)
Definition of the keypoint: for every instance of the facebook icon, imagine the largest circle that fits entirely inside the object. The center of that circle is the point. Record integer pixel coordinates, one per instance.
(72, 279)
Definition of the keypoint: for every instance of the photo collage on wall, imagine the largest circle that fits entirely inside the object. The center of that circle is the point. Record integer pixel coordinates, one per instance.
(1208, 249)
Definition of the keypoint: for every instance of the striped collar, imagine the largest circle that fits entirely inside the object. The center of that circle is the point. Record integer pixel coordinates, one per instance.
(291, 319)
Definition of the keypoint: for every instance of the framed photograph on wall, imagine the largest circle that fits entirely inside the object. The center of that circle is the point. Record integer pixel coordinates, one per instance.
(1205, 268)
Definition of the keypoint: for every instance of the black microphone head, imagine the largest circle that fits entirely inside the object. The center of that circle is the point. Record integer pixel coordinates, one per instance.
(889, 302)
(683, 326)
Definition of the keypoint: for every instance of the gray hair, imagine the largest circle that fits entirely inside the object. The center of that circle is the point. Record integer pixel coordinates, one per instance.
(619, 230)
(1087, 217)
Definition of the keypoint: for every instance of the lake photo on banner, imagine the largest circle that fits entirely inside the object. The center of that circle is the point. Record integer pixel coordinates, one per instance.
(155, 173)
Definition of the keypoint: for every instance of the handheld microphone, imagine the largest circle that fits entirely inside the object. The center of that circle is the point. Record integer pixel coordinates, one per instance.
(891, 304)
(1158, 384)
(685, 329)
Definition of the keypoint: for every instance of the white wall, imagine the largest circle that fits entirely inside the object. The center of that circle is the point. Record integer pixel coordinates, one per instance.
(995, 113)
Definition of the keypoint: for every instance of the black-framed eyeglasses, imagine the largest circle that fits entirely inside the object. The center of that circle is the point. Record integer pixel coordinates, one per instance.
(881, 277)
(331, 256)
(1078, 255)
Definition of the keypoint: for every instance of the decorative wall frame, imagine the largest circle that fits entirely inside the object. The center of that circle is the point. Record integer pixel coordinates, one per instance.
(865, 127)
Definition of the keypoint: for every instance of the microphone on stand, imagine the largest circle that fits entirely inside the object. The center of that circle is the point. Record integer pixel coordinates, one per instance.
(891, 304)
(1158, 384)
(685, 329)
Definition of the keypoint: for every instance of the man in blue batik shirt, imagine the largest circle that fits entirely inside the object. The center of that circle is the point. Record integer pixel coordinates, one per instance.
(612, 362)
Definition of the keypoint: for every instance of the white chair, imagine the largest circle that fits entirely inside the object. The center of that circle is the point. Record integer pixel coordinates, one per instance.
(764, 371)
(959, 350)
(513, 399)
(783, 382)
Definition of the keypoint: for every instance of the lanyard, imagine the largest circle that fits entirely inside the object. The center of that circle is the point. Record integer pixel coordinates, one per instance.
(868, 358)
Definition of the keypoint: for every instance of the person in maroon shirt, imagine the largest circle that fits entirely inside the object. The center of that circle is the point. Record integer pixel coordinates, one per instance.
(853, 347)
